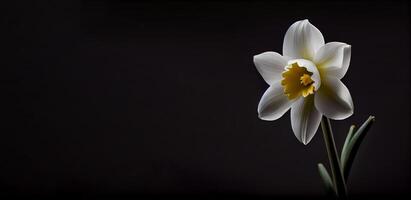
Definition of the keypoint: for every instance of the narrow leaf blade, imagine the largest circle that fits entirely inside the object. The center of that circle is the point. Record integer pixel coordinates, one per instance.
(354, 144)
(329, 187)
(347, 141)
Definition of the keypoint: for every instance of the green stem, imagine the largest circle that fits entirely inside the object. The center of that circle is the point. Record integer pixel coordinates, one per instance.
(336, 172)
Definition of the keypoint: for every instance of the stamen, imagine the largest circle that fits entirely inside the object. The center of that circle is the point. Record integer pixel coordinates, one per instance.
(306, 79)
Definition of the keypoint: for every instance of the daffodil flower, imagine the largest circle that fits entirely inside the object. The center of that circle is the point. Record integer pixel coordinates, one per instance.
(306, 78)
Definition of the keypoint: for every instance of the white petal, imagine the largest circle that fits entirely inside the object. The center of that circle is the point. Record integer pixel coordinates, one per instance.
(302, 40)
(274, 103)
(334, 99)
(270, 65)
(305, 119)
(334, 58)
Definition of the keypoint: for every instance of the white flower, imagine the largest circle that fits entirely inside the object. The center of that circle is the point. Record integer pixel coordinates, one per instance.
(306, 78)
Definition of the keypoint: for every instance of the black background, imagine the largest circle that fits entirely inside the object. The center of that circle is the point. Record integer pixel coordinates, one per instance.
(160, 98)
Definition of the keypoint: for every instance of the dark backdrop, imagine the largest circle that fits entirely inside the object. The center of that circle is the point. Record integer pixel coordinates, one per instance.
(160, 98)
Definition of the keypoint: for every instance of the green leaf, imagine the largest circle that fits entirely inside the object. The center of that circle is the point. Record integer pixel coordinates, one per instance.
(326, 179)
(347, 141)
(353, 145)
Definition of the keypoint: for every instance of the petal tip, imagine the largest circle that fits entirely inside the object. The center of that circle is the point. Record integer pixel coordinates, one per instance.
(306, 141)
(255, 57)
(303, 141)
(265, 118)
(342, 117)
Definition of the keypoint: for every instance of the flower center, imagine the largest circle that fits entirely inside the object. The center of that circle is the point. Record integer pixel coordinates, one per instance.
(297, 81)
